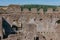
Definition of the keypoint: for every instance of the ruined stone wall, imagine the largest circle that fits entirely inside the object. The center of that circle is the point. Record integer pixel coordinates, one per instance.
(33, 25)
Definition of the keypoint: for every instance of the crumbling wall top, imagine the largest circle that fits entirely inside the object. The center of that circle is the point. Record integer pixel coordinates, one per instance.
(49, 10)
(25, 10)
(41, 11)
(14, 8)
(34, 10)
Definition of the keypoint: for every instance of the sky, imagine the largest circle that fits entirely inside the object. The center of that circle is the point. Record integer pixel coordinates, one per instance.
(23, 2)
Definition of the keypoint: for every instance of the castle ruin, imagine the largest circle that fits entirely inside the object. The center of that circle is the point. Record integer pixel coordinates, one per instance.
(29, 25)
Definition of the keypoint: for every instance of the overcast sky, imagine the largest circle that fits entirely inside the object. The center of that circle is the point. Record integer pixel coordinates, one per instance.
(22, 2)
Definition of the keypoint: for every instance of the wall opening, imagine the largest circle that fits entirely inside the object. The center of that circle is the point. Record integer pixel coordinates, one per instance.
(36, 38)
(7, 29)
(58, 21)
(15, 28)
(50, 39)
(0, 37)
(43, 37)
(41, 19)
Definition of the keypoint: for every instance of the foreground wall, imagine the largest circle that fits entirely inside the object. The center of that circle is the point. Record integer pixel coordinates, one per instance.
(32, 25)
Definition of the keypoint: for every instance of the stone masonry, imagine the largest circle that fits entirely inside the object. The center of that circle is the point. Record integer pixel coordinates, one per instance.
(29, 25)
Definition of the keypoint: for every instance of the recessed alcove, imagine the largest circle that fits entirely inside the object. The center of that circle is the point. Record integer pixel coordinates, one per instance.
(36, 38)
(58, 21)
(40, 19)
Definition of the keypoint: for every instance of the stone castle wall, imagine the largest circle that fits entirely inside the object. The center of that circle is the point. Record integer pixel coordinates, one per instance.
(32, 25)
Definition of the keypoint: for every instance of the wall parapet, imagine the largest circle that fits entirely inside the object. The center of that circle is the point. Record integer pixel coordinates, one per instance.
(17, 8)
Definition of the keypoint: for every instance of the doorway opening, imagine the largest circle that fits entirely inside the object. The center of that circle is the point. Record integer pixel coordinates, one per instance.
(36, 38)
(0, 37)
